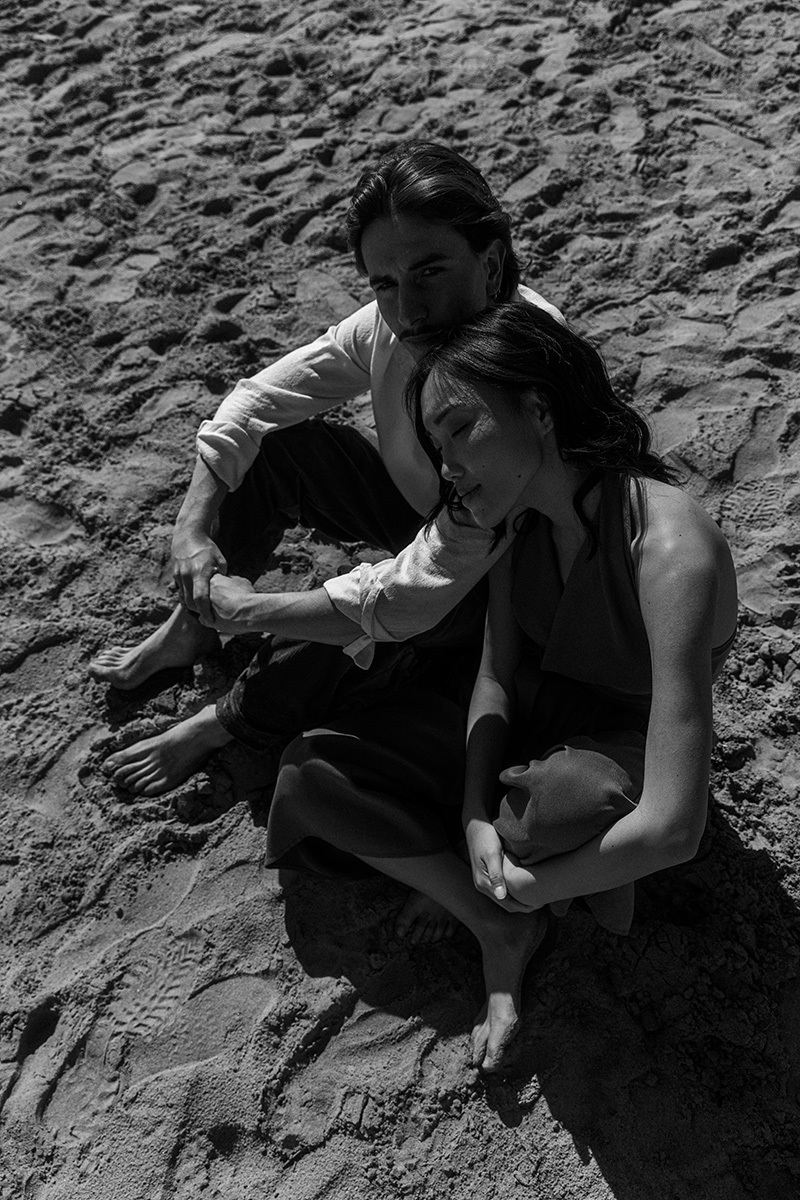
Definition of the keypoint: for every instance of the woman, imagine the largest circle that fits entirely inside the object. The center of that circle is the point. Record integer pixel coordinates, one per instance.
(609, 618)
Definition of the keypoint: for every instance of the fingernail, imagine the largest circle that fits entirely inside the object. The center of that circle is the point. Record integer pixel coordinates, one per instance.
(500, 892)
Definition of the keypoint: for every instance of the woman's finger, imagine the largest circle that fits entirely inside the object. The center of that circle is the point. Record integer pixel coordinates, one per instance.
(493, 866)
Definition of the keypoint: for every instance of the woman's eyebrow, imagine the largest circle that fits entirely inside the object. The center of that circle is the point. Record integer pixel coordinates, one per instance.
(440, 416)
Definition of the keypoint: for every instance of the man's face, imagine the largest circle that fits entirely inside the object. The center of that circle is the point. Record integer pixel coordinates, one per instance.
(426, 276)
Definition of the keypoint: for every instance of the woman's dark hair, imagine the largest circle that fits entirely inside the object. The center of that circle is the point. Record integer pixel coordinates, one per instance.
(518, 348)
(434, 183)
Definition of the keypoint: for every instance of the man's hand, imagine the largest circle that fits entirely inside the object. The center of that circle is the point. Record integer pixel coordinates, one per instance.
(195, 559)
(231, 603)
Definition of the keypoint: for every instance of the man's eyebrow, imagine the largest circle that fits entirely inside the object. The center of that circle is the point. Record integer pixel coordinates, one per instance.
(428, 261)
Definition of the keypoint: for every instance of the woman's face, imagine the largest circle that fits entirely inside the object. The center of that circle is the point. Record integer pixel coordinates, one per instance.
(492, 448)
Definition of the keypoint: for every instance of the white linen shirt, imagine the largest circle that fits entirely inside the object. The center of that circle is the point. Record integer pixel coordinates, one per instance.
(402, 596)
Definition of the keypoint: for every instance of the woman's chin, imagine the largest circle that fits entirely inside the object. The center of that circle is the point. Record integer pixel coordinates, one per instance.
(481, 512)
(475, 517)
(482, 519)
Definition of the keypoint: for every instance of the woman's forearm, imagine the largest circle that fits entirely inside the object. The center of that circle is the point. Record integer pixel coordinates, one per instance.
(628, 850)
(487, 737)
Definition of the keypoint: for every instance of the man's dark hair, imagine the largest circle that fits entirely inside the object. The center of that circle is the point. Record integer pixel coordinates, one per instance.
(433, 183)
(514, 349)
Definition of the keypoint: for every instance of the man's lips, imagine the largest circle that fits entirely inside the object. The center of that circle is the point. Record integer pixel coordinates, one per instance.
(413, 335)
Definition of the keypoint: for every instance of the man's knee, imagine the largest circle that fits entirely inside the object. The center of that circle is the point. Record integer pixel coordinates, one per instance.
(311, 758)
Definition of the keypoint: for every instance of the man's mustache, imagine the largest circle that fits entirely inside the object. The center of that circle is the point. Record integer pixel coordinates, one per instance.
(421, 331)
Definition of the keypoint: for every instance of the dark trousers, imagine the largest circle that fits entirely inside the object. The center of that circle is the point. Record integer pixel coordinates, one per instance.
(328, 477)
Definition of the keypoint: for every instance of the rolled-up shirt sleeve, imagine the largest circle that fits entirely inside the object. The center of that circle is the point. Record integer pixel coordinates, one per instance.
(329, 371)
(403, 596)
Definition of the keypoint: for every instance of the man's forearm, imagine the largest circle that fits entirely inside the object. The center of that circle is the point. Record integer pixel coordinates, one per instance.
(310, 616)
(202, 502)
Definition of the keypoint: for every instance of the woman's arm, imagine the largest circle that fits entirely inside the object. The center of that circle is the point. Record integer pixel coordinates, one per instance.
(487, 732)
(684, 561)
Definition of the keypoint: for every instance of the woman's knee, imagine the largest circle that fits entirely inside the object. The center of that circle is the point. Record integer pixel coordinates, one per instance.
(564, 798)
(569, 771)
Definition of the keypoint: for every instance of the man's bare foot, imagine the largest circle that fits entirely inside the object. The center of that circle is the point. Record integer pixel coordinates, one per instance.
(179, 642)
(506, 954)
(158, 764)
(423, 920)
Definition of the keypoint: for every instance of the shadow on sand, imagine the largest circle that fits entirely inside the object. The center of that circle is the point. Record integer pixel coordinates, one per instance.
(671, 1057)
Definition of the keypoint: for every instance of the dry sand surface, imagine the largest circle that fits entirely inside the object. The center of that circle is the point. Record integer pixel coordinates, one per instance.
(175, 1020)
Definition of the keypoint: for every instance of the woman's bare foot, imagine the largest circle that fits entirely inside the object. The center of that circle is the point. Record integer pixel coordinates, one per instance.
(179, 642)
(506, 954)
(422, 920)
(158, 764)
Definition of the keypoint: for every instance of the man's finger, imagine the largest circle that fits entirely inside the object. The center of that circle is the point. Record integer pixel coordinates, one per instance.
(202, 602)
(187, 599)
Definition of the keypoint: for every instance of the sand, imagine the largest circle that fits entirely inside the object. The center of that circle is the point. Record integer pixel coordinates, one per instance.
(176, 1020)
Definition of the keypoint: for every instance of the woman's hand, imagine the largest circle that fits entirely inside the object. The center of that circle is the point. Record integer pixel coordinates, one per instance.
(520, 883)
(195, 560)
(486, 859)
(231, 601)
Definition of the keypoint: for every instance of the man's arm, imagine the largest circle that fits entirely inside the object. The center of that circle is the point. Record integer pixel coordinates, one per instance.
(195, 556)
(404, 596)
(236, 607)
(303, 383)
(306, 381)
(417, 588)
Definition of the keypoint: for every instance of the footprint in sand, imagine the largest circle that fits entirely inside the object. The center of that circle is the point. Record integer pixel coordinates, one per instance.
(150, 996)
(37, 524)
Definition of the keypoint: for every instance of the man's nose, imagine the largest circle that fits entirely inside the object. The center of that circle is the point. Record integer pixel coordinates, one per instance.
(410, 305)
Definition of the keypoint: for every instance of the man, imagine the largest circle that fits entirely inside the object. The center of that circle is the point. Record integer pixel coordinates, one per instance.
(436, 246)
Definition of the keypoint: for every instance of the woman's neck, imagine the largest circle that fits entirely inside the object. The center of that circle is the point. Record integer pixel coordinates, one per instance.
(552, 493)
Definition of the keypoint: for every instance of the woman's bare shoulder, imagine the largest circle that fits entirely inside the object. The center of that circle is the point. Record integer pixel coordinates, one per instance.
(676, 537)
(669, 519)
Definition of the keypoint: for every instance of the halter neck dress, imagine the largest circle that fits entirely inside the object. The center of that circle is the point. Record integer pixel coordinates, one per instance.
(388, 781)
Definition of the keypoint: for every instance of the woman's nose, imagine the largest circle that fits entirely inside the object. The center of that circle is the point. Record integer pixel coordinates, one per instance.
(451, 472)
